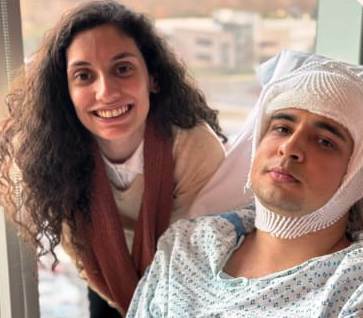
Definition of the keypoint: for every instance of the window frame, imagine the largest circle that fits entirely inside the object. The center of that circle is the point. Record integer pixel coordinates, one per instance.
(19, 297)
(339, 30)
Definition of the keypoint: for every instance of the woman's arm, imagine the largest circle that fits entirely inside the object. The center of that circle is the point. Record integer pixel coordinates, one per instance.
(198, 154)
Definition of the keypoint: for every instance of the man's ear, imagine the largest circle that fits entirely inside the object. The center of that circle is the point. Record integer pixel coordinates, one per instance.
(153, 85)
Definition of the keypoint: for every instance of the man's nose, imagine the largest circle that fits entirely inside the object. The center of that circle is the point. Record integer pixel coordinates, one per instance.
(292, 148)
(107, 90)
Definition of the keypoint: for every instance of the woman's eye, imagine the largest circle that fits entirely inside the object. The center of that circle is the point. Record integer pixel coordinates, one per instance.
(83, 76)
(124, 69)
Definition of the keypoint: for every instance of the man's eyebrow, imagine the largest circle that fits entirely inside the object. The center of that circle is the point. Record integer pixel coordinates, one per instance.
(285, 116)
(334, 130)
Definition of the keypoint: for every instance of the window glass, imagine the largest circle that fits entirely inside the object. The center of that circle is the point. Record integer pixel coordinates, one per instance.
(221, 44)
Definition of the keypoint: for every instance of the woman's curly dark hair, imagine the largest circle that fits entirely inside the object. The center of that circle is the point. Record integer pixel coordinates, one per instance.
(47, 142)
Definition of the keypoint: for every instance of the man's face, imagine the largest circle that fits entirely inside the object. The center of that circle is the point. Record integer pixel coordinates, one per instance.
(300, 162)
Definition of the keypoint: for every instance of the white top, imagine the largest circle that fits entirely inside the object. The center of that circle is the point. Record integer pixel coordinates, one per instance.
(121, 175)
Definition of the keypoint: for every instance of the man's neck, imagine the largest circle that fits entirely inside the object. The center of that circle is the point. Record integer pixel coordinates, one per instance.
(261, 253)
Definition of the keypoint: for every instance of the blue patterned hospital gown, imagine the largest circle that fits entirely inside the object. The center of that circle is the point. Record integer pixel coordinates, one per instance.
(186, 278)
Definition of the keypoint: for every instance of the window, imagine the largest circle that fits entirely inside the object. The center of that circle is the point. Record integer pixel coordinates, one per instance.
(231, 89)
(203, 57)
(203, 42)
(221, 49)
(238, 40)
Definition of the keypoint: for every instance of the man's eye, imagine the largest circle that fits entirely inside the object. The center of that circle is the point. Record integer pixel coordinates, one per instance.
(326, 143)
(281, 130)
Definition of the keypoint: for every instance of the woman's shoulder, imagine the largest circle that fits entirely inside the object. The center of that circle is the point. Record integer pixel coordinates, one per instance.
(197, 153)
(197, 141)
(200, 132)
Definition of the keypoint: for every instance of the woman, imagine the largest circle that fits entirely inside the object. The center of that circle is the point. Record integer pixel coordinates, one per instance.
(110, 139)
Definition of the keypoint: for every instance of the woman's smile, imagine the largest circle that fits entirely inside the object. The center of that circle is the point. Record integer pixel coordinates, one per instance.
(113, 113)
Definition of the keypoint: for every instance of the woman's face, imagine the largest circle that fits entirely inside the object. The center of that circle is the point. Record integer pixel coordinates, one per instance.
(109, 85)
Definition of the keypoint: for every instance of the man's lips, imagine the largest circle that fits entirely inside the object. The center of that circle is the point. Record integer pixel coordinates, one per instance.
(282, 175)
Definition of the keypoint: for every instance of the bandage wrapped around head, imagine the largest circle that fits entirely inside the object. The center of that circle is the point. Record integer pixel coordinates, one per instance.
(305, 81)
(328, 88)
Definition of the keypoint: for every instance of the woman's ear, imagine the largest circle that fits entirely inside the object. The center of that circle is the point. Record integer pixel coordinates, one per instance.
(153, 85)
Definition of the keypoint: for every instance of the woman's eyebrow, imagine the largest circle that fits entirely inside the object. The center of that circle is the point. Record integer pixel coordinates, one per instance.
(78, 63)
(123, 55)
(114, 58)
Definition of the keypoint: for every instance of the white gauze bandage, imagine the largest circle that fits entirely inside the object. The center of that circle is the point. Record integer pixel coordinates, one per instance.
(330, 89)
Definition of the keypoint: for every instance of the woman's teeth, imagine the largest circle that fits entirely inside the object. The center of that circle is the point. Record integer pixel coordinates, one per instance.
(113, 113)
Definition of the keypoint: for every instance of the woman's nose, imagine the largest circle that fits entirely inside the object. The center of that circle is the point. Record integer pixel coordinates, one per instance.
(107, 89)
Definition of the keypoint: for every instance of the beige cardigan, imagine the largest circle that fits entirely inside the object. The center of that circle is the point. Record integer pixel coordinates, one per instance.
(198, 153)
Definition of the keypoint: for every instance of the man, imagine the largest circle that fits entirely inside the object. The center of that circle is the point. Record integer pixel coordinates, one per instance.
(299, 253)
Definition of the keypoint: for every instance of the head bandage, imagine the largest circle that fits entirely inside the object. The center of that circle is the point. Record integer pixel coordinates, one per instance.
(330, 89)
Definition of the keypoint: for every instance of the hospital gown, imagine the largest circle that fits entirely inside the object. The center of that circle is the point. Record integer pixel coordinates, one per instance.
(186, 278)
